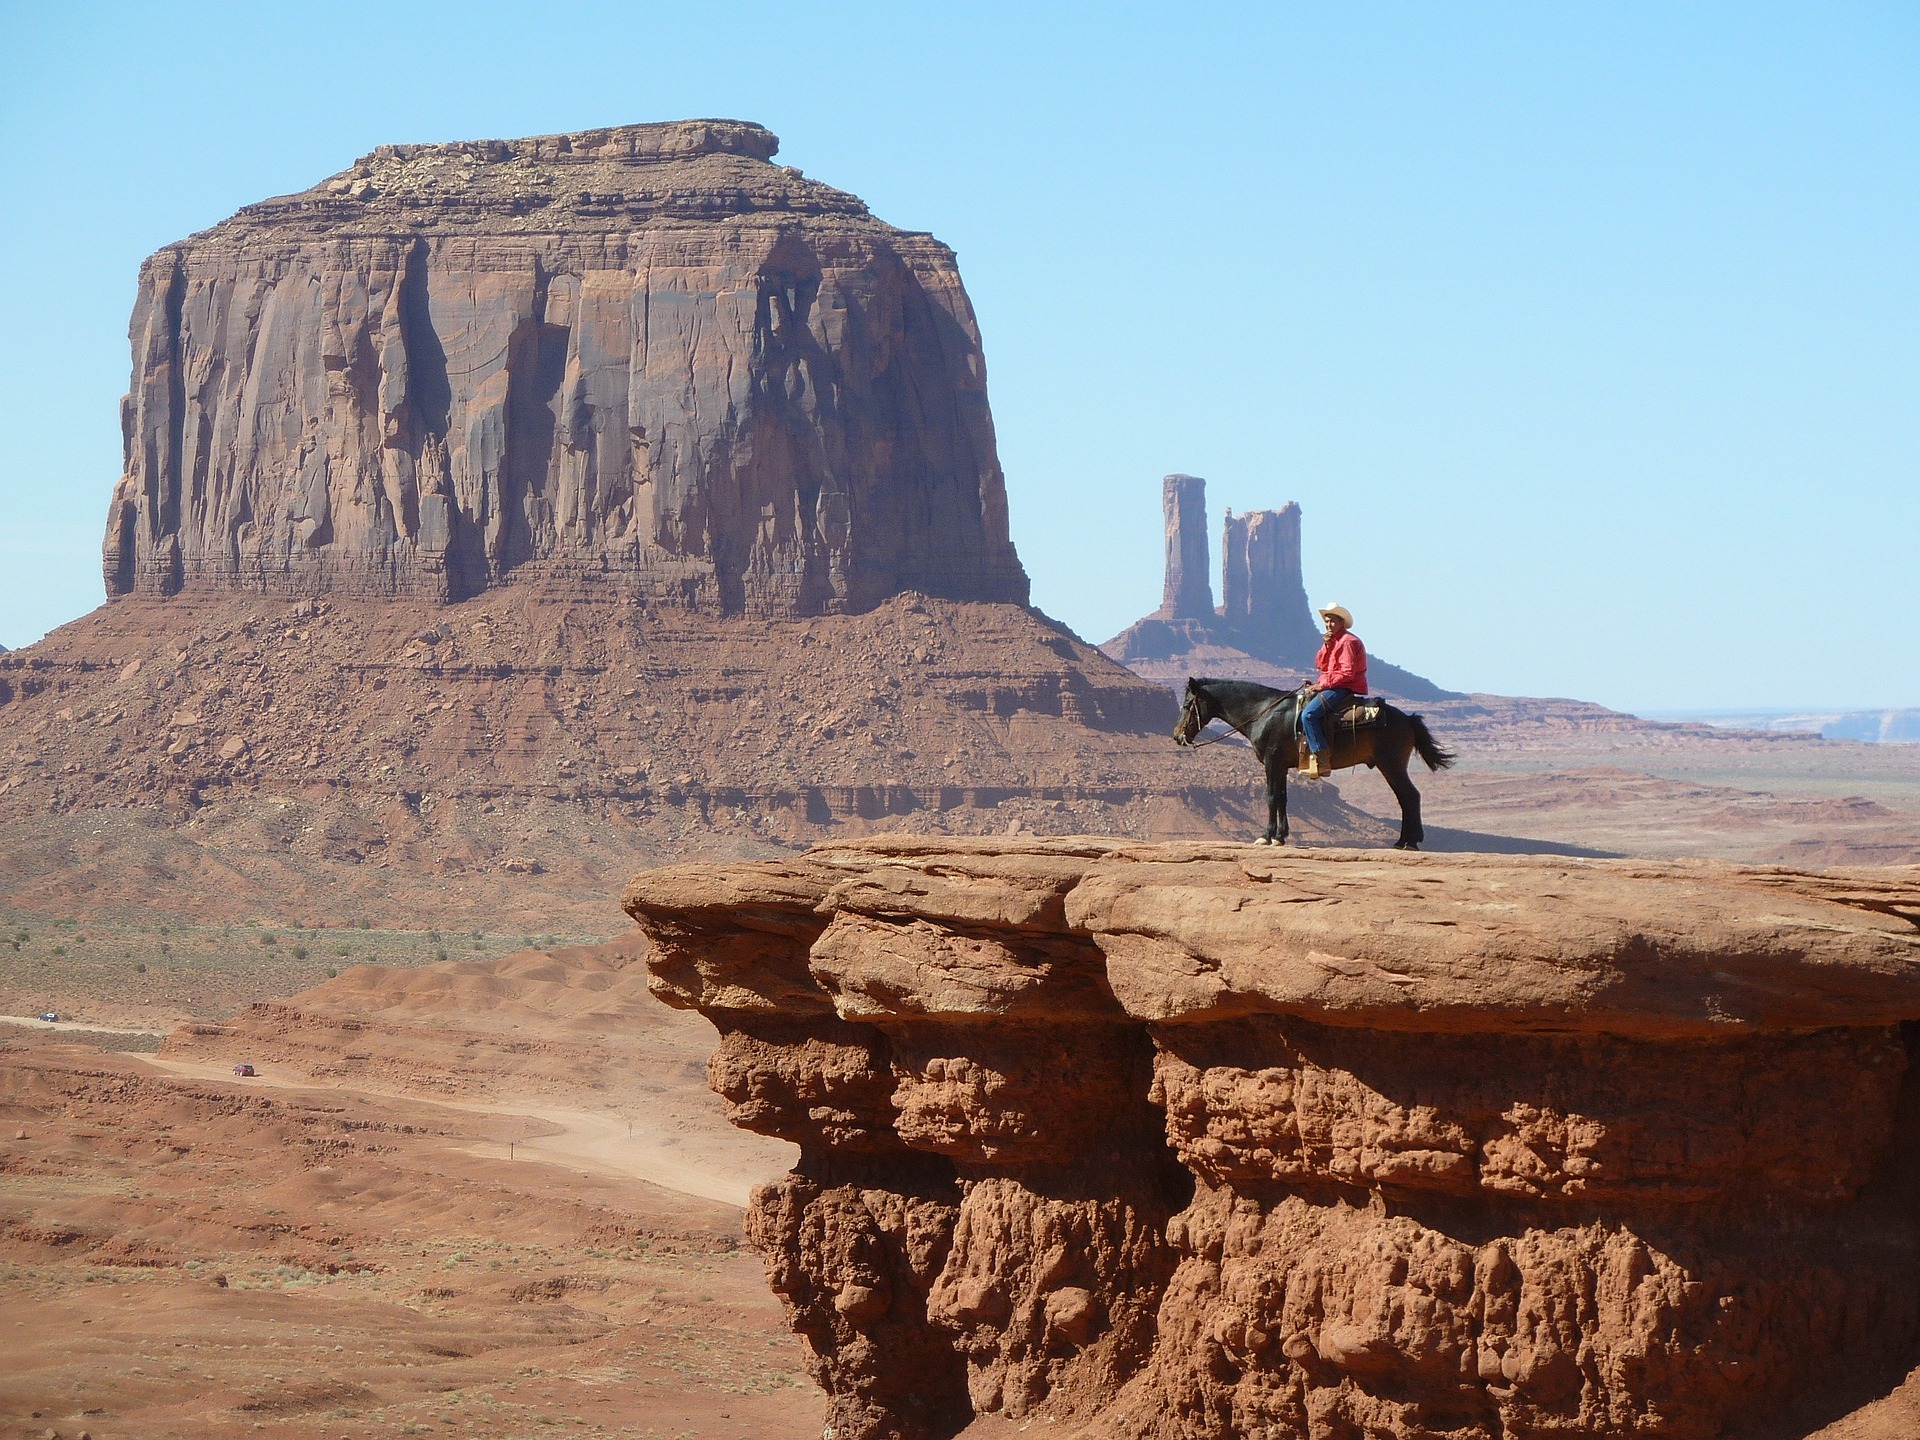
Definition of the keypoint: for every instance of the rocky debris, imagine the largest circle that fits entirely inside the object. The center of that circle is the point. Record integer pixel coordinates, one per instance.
(643, 360)
(567, 741)
(1196, 1141)
(1264, 631)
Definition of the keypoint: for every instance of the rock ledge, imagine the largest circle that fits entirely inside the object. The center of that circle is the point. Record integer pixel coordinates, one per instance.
(1207, 1141)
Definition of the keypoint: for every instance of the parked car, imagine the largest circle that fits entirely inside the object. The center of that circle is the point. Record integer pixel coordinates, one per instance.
(50, 1016)
(245, 1072)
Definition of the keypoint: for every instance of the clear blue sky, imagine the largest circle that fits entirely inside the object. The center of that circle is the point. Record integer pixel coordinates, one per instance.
(1587, 336)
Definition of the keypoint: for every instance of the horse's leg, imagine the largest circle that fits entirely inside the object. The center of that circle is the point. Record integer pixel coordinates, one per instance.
(1393, 769)
(1276, 797)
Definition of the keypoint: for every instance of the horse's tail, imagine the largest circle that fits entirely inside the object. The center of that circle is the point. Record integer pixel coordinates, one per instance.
(1429, 748)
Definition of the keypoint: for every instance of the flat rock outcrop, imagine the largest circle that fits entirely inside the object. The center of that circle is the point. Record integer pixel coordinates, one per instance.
(645, 354)
(1203, 1141)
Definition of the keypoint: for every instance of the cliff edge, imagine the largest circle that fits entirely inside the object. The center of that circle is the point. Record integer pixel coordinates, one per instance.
(1198, 1141)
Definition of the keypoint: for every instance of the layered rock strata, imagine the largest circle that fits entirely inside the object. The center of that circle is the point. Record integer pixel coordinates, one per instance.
(1197, 1141)
(645, 355)
(401, 760)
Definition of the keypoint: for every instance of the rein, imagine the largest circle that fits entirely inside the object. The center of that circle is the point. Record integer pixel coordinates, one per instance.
(1198, 744)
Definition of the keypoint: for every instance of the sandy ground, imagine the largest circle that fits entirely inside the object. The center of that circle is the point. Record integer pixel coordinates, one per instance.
(635, 1147)
(486, 1198)
(1560, 773)
(83, 1027)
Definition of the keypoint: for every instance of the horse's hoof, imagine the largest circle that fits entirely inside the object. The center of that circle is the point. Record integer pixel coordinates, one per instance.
(1406, 845)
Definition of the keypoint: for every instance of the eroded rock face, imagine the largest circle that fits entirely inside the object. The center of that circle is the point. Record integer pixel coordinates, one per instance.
(1263, 592)
(1188, 592)
(644, 354)
(1197, 1141)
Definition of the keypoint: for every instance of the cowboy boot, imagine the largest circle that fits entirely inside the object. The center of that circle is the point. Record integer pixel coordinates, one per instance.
(1318, 767)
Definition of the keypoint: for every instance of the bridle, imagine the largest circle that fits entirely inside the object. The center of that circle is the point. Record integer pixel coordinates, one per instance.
(1198, 744)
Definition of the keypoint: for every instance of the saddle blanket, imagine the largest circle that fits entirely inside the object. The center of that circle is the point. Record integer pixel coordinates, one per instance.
(1364, 711)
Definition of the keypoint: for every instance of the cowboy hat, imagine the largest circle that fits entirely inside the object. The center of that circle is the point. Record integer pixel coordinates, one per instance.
(1340, 613)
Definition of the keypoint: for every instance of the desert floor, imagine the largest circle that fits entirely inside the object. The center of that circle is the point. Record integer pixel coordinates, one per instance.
(447, 1243)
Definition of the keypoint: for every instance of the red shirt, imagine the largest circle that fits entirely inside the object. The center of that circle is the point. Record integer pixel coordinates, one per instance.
(1342, 663)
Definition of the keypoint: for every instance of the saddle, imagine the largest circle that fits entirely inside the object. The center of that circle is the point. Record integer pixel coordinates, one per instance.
(1364, 711)
(1356, 714)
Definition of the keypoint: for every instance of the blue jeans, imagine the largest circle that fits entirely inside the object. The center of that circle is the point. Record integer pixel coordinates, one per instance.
(1313, 716)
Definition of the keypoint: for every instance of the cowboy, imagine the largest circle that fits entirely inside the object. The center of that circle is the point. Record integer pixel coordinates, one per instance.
(1342, 663)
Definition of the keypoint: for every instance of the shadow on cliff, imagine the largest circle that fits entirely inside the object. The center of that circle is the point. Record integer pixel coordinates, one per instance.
(1892, 1200)
(1479, 842)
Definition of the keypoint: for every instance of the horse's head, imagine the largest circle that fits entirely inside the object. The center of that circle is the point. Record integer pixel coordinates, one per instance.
(1193, 715)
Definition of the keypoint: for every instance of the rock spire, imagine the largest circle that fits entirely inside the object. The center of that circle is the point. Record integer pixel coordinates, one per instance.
(1188, 594)
(1262, 588)
(645, 357)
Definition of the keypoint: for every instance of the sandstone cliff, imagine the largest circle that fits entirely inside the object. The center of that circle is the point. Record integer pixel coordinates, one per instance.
(1262, 591)
(1191, 1141)
(644, 354)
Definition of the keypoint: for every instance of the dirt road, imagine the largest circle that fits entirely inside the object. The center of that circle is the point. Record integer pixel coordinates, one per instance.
(580, 1140)
(34, 1022)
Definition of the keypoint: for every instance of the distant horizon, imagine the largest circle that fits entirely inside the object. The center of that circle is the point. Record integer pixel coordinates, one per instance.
(1666, 715)
(1586, 339)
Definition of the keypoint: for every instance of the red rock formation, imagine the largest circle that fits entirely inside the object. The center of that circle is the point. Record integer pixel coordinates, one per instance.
(1264, 596)
(395, 758)
(1190, 1141)
(643, 354)
(1188, 593)
(727, 436)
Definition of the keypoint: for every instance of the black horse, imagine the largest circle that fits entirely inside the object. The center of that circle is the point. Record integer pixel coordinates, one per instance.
(1270, 719)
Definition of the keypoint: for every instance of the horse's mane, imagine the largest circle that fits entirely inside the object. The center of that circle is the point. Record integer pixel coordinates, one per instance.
(1235, 689)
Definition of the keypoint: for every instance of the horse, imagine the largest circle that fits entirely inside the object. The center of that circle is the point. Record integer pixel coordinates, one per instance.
(1270, 721)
